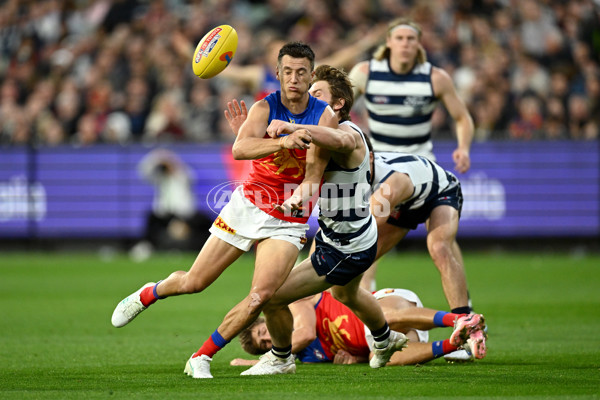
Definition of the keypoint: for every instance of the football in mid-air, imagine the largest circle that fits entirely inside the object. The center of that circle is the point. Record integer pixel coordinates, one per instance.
(215, 51)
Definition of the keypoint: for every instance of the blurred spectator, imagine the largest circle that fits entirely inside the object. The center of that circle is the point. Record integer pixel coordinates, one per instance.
(581, 126)
(555, 121)
(281, 15)
(174, 221)
(529, 75)
(137, 105)
(559, 86)
(86, 134)
(528, 123)
(592, 91)
(50, 131)
(98, 104)
(202, 114)
(165, 122)
(490, 115)
(117, 128)
(539, 33)
(67, 107)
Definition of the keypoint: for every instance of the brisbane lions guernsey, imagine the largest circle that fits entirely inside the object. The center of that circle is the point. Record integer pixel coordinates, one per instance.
(337, 329)
(274, 178)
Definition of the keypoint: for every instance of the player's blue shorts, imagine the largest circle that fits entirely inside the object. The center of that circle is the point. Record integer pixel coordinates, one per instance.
(340, 268)
(410, 219)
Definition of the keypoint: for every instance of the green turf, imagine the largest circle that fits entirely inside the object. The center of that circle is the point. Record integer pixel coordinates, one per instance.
(57, 341)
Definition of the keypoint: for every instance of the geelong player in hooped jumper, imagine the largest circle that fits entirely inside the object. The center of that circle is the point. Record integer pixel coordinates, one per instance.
(401, 92)
(249, 218)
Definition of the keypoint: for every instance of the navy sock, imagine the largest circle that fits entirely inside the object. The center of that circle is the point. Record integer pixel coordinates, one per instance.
(283, 353)
(381, 334)
(462, 310)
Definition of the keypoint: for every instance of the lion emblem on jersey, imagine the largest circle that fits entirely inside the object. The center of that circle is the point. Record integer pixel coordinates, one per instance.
(285, 160)
(336, 332)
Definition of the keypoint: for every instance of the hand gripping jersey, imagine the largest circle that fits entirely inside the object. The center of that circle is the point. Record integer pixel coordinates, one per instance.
(274, 177)
(337, 328)
(400, 108)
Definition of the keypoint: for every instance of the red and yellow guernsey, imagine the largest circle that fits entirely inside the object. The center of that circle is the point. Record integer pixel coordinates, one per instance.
(337, 329)
(274, 178)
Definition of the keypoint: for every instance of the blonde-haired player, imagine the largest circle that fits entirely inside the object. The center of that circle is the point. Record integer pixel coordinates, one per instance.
(402, 90)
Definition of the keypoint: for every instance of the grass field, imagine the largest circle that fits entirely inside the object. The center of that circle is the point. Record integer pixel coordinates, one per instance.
(57, 341)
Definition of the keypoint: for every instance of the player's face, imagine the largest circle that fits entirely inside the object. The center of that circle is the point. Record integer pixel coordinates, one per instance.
(322, 91)
(403, 44)
(294, 75)
(261, 337)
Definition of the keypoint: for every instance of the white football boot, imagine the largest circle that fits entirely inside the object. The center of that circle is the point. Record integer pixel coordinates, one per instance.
(270, 364)
(396, 342)
(198, 367)
(129, 308)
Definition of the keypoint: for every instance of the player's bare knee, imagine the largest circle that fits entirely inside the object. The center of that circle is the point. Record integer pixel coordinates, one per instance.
(440, 250)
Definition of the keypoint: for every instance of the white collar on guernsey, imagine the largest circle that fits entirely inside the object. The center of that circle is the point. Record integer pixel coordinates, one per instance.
(405, 26)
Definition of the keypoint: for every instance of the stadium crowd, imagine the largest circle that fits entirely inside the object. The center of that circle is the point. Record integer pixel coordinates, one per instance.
(118, 71)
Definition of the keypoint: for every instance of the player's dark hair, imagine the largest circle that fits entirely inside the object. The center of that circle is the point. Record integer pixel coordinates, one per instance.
(339, 85)
(246, 338)
(297, 50)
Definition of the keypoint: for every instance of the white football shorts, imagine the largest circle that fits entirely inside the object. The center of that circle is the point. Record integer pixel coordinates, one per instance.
(242, 224)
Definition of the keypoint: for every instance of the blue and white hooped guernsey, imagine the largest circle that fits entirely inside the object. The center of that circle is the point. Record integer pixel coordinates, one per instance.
(344, 217)
(400, 108)
(428, 177)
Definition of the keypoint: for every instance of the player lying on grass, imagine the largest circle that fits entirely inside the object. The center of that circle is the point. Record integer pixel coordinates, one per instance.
(327, 331)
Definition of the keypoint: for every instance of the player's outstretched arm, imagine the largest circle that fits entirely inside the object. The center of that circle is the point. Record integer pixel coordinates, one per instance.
(243, 362)
(457, 109)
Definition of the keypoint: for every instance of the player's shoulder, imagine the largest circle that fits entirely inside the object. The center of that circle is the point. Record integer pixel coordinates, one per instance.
(439, 72)
(362, 66)
(328, 117)
(440, 79)
(260, 105)
(350, 126)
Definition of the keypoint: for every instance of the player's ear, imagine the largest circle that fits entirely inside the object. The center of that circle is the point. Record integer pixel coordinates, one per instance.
(339, 104)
